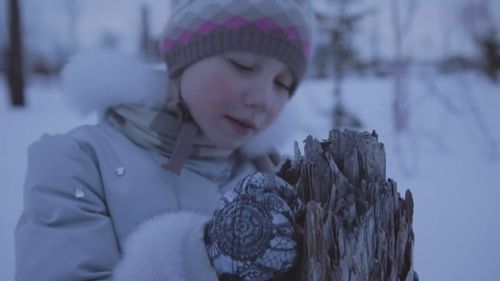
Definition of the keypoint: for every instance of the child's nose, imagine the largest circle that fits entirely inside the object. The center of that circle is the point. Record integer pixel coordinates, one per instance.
(259, 97)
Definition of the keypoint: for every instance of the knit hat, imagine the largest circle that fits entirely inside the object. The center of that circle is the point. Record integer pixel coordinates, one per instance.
(198, 29)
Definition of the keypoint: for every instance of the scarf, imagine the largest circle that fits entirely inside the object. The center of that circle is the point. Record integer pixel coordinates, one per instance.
(177, 137)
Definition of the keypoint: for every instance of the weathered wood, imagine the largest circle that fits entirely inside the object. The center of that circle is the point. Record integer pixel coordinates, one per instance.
(357, 226)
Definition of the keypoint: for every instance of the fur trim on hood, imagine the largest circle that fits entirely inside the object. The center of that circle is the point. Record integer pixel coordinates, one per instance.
(96, 80)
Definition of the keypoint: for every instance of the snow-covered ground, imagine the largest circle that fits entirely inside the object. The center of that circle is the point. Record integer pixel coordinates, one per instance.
(450, 160)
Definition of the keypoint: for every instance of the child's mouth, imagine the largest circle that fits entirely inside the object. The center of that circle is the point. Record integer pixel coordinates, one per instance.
(241, 126)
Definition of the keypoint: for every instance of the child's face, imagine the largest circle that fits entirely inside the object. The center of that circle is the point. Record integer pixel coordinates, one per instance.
(235, 95)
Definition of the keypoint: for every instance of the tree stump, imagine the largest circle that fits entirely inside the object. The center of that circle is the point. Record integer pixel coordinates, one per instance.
(357, 227)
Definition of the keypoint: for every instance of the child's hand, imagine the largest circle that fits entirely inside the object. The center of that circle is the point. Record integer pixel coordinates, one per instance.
(251, 235)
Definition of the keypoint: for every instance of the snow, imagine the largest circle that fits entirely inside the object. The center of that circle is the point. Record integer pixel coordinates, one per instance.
(449, 160)
(79, 193)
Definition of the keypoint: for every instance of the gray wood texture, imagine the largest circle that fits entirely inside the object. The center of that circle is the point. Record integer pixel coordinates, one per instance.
(357, 226)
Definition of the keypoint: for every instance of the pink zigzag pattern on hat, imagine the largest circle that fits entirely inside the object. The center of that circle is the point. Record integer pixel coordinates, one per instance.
(265, 24)
(236, 22)
(207, 27)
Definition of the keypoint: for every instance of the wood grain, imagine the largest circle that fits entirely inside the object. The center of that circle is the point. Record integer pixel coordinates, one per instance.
(357, 226)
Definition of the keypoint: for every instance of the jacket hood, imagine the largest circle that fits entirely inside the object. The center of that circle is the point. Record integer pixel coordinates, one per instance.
(96, 80)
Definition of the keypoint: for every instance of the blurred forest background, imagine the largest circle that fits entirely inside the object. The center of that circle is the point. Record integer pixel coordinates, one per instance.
(386, 38)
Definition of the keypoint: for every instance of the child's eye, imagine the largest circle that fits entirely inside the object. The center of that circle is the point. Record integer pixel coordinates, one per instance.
(240, 66)
(283, 86)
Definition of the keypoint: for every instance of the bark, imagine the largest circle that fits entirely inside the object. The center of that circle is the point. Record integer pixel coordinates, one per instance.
(357, 226)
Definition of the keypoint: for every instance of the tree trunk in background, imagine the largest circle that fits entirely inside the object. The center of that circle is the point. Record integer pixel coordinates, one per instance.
(400, 112)
(357, 227)
(148, 46)
(15, 74)
(73, 10)
(402, 14)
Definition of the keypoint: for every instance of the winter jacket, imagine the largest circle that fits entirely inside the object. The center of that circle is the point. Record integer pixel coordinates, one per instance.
(99, 207)
(91, 190)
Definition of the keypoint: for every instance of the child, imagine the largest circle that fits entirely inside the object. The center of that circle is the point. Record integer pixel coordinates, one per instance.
(133, 197)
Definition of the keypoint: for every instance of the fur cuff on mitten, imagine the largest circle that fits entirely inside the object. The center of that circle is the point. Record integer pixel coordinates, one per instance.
(168, 247)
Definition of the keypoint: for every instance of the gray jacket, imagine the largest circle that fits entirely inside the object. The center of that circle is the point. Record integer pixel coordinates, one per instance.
(97, 205)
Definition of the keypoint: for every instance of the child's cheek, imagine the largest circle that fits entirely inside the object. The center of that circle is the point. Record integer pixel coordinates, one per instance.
(224, 88)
